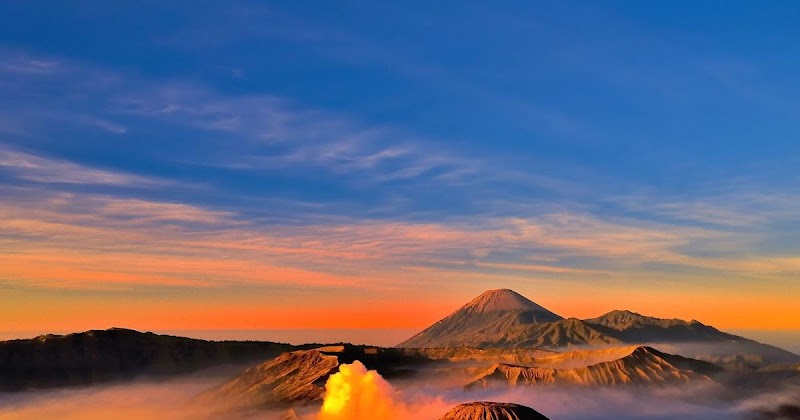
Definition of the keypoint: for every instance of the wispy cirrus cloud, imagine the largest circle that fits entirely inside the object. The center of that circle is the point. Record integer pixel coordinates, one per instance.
(253, 132)
(115, 241)
(268, 133)
(260, 134)
(37, 168)
(26, 65)
(45, 91)
(739, 204)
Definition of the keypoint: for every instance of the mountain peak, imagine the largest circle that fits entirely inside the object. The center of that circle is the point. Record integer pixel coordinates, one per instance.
(501, 300)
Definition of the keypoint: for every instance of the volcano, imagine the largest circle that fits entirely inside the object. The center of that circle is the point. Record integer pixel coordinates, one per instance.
(504, 318)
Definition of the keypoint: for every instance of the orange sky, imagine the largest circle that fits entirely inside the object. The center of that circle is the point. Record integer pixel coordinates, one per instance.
(32, 311)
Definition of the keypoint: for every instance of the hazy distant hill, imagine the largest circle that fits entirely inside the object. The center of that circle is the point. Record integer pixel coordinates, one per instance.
(106, 355)
(504, 318)
(631, 326)
(691, 338)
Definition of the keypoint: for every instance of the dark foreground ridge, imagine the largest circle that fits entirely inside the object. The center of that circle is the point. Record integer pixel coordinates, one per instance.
(99, 356)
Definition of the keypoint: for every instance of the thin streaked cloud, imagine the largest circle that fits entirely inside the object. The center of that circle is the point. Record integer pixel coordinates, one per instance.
(189, 246)
(41, 169)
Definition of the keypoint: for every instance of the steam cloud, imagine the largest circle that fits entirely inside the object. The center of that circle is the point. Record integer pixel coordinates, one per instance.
(355, 393)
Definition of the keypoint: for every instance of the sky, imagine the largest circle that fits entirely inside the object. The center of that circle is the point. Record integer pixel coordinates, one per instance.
(290, 165)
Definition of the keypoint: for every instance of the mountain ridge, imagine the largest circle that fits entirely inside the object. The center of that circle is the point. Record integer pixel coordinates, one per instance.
(603, 367)
(531, 325)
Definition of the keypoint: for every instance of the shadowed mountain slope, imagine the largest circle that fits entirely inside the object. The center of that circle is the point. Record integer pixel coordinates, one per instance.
(485, 410)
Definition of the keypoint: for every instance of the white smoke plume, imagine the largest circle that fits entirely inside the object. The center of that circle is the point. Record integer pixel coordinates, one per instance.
(355, 393)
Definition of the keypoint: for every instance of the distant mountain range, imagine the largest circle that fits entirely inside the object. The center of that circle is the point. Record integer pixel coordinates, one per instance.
(502, 333)
(504, 318)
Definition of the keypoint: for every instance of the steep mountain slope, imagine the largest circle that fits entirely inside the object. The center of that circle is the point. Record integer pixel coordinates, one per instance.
(565, 333)
(290, 377)
(104, 355)
(485, 410)
(611, 366)
(691, 338)
(504, 318)
(298, 377)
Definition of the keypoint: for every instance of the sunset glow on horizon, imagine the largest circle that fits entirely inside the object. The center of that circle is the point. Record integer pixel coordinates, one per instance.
(290, 167)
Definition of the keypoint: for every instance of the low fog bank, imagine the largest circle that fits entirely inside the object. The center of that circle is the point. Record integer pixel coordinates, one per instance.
(427, 397)
(581, 403)
(175, 399)
(421, 398)
(167, 400)
(785, 339)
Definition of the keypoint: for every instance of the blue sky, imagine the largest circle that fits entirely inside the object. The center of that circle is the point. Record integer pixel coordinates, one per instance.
(380, 149)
